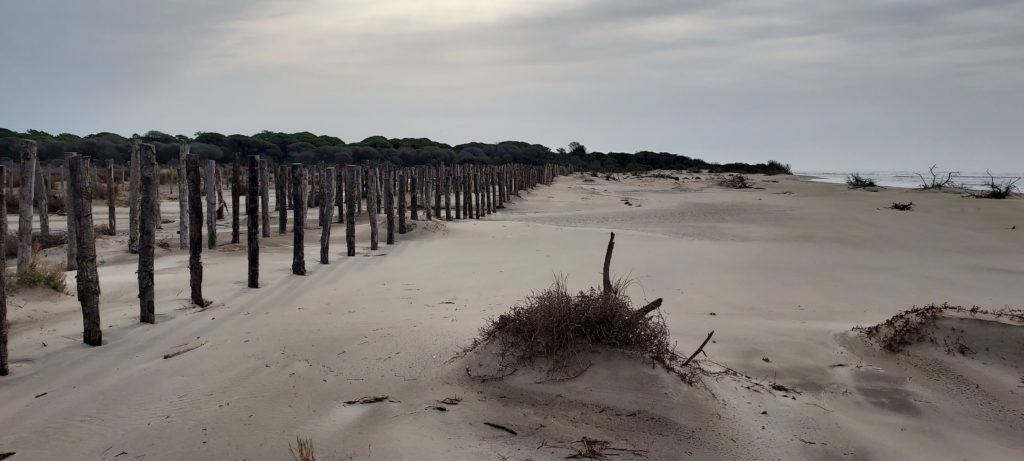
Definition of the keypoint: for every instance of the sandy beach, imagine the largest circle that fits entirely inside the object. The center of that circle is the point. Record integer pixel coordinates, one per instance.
(781, 273)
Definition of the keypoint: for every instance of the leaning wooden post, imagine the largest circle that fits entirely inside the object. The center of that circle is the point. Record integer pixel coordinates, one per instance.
(149, 180)
(195, 230)
(27, 151)
(328, 206)
(389, 206)
(183, 151)
(280, 194)
(371, 206)
(69, 202)
(264, 198)
(4, 369)
(350, 208)
(401, 202)
(211, 204)
(133, 199)
(236, 198)
(42, 198)
(607, 278)
(299, 210)
(88, 281)
(252, 202)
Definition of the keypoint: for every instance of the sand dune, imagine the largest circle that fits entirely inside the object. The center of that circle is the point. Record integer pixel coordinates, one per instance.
(781, 273)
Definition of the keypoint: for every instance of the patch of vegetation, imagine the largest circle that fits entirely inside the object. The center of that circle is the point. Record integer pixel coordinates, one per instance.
(736, 182)
(909, 206)
(303, 450)
(41, 274)
(856, 181)
(918, 324)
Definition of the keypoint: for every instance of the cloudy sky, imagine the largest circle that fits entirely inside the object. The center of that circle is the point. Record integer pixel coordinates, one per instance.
(867, 84)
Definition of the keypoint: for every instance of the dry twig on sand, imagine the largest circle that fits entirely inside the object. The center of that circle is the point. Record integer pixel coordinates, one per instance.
(367, 399)
(589, 448)
(303, 450)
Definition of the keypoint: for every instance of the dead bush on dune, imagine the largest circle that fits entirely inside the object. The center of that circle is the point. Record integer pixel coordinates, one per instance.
(908, 206)
(997, 190)
(55, 204)
(555, 326)
(937, 181)
(856, 181)
(736, 182)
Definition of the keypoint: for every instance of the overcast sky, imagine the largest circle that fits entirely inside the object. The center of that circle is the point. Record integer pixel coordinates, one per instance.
(866, 84)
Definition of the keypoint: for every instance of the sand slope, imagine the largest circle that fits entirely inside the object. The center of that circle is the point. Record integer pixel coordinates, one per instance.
(786, 275)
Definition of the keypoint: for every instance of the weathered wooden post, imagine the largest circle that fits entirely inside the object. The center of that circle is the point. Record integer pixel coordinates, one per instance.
(88, 281)
(195, 231)
(413, 192)
(264, 198)
(133, 199)
(42, 198)
(299, 209)
(211, 203)
(371, 205)
(328, 206)
(4, 369)
(252, 202)
(69, 203)
(357, 181)
(183, 151)
(401, 202)
(149, 182)
(236, 198)
(339, 190)
(457, 180)
(447, 196)
(389, 206)
(351, 199)
(280, 187)
(27, 153)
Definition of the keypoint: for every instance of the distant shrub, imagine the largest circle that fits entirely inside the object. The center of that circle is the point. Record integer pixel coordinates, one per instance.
(997, 190)
(736, 182)
(937, 181)
(856, 181)
(902, 206)
(777, 167)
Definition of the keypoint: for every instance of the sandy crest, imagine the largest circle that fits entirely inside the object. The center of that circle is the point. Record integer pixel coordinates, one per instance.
(786, 270)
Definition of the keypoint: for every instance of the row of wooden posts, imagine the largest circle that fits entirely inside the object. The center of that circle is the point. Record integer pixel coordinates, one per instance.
(400, 194)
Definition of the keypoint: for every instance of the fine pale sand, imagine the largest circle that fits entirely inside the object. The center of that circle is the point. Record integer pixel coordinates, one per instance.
(780, 273)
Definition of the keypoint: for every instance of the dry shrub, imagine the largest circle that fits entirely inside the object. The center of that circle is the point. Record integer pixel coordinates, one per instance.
(51, 240)
(556, 326)
(303, 450)
(41, 274)
(736, 182)
(856, 181)
(55, 204)
(918, 324)
(908, 206)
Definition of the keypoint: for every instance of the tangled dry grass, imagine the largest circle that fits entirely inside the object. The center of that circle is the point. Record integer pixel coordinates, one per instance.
(302, 450)
(42, 274)
(557, 326)
(50, 240)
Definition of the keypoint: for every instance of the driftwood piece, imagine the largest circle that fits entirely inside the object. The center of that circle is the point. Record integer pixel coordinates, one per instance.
(147, 231)
(195, 231)
(299, 210)
(88, 281)
(699, 349)
(640, 314)
(27, 153)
